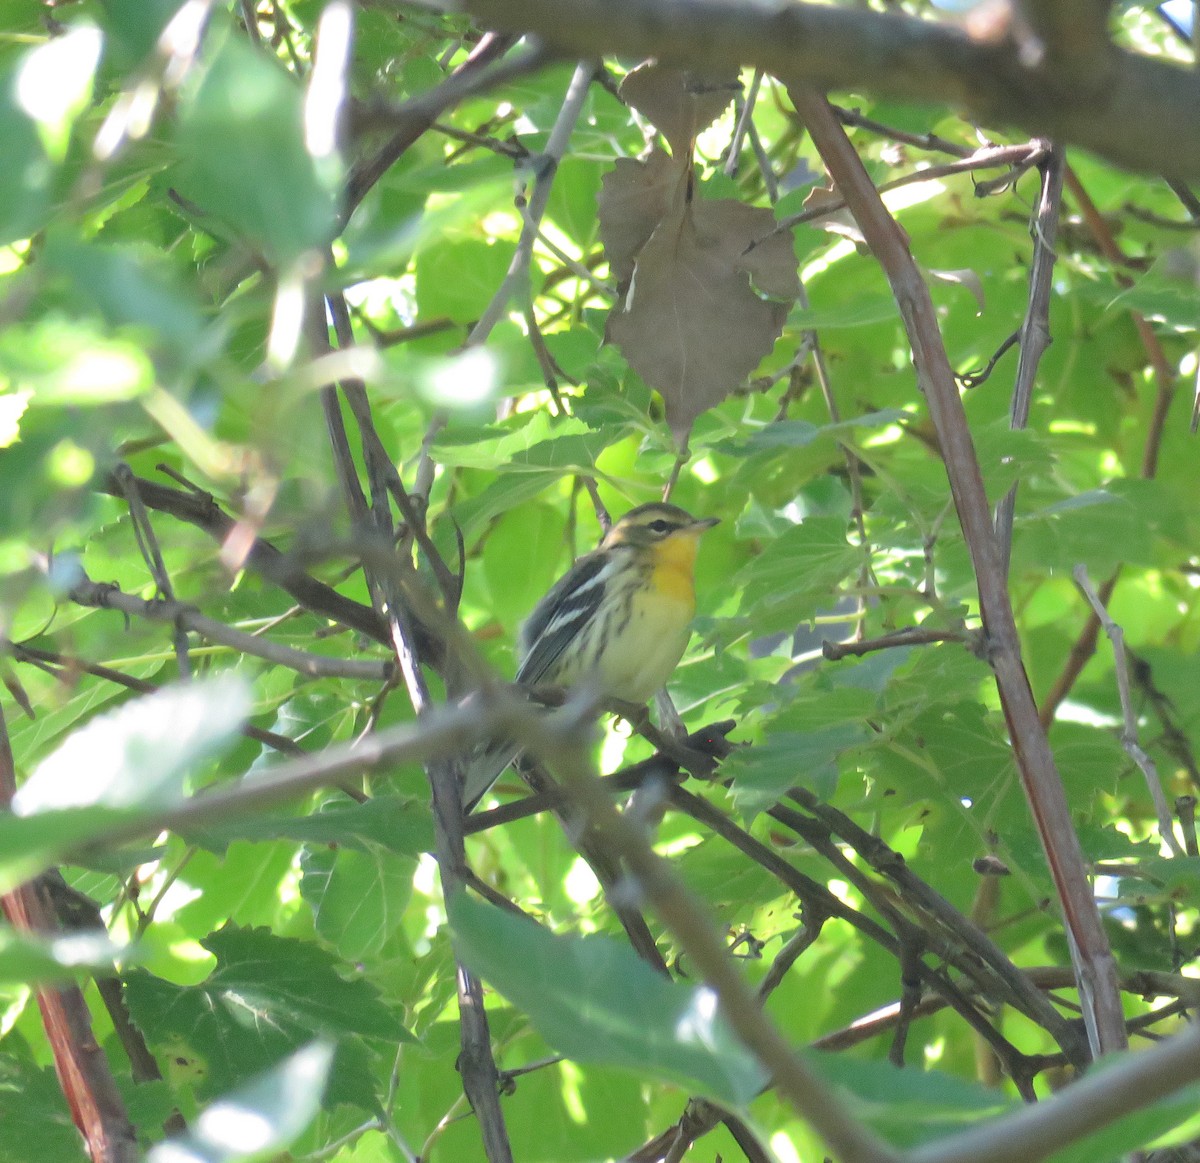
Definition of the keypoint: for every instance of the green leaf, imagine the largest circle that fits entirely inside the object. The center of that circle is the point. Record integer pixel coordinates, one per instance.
(35, 1124)
(594, 1000)
(131, 288)
(798, 573)
(29, 845)
(139, 755)
(763, 773)
(908, 1107)
(257, 1120)
(267, 997)
(357, 898)
(865, 310)
(243, 157)
(27, 176)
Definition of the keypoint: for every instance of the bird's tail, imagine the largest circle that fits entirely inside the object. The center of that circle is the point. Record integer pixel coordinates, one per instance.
(486, 765)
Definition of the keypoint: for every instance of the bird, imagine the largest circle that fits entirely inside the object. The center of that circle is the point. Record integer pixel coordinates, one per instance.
(619, 618)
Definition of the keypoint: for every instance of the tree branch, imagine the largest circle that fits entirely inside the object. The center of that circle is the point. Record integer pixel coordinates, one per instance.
(1138, 112)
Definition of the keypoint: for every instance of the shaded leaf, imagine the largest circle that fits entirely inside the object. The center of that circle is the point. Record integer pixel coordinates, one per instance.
(267, 997)
(594, 1000)
(392, 823)
(26, 957)
(243, 156)
(357, 898)
(763, 773)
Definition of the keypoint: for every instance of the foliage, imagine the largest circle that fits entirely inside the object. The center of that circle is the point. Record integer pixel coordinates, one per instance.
(253, 255)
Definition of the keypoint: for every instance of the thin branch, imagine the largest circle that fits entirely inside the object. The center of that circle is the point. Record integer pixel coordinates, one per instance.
(83, 1072)
(408, 122)
(184, 617)
(66, 670)
(1129, 731)
(914, 636)
(516, 279)
(987, 157)
(201, 510)
(1035, 329)
(557, 742)
(1164, 377)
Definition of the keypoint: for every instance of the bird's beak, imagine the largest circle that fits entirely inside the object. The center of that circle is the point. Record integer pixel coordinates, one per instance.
(705, 523)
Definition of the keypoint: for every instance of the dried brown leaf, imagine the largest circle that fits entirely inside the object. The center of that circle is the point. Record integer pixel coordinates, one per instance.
(693, 325)
(679, 104)
(635, 196)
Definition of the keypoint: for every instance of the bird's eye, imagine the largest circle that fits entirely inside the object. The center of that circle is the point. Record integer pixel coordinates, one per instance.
(659, 526)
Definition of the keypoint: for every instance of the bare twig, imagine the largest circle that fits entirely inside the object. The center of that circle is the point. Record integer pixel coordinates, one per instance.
(407, 123)
(1089, 1105)
(516, 279)
(1035, 330)
(185, 617)
(1129, 731)
(557, 742)
(66, 669)
(1165, 386)
(201, 510)
(914, 636)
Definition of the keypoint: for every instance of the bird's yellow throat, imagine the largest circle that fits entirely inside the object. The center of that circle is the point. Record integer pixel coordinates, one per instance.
(674, 560)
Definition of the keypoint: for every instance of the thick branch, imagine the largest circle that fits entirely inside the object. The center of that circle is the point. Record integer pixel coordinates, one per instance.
(1138, 112)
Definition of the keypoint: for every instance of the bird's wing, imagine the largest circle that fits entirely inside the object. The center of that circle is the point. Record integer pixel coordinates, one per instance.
(560, 615)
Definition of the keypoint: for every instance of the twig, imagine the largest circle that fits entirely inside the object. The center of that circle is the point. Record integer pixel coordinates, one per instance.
(65, 668)
(411, 120)
(147, 543)
(975, 378)
(914, 636)
(516, 279)
(1035, 329)
(1150, 107)
(185, 617)
(1089, 1105)
(745, 119)
(987, 157)
(201, 510)
(1164, 376)
(927, 141)
(1129, 732)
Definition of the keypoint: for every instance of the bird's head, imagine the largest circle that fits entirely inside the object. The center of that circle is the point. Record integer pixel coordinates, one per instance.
(652, 524)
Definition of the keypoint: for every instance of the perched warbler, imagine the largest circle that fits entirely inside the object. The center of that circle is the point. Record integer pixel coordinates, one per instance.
(619, 618)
